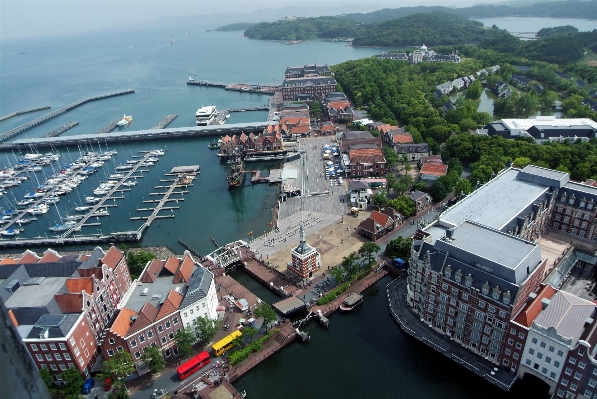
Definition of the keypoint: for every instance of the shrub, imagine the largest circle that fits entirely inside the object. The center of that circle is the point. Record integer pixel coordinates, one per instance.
(241, 354)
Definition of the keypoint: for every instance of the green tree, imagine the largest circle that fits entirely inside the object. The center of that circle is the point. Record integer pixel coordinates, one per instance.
(368, 249)
(338, 273)
(153, 357)
(267, 313)
(136, 262)
(118, 367)
(390, 156)
(315, 109)
(473, 92)
(403, 205)
(349, 263)
(399, 248)
(48, 379)
(119, 394)
(239, 341)
(462, 186)
(206, 328)
(438, 190)
(249, 332)
(185, 339)
(407, 167)
(380, 199)
(74, 382)
(521, 162)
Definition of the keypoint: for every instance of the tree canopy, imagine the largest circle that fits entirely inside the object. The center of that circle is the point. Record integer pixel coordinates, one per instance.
(206, 328)
(265, 311)
(136, 261)
(153, 357)
(185, 339)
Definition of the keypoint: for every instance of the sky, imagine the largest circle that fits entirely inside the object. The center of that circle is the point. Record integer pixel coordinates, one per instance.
(34, 18)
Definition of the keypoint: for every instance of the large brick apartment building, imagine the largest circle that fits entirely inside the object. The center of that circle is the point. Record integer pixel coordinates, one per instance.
(477, 275)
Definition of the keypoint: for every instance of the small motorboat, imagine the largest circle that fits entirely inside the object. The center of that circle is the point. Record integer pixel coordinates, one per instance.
(59, 227)
(117, 176)
(38, 209)
(25, 202)
(26, 220)
(75, 217)
(99, 191)
(92, 200)
(101, 212)
(52, 200)
(129, 183)
(124, 167)
(82, 208)
(11, 232)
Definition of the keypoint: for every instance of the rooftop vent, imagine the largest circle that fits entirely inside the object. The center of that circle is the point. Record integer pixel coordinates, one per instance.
(12, 285)
(545, 303)
(589, 321)
(531, 297)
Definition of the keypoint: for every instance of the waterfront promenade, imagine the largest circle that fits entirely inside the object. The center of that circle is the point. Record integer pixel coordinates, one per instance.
(411, 324)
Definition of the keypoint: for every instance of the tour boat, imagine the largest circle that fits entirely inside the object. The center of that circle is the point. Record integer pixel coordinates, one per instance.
(352, 301)
(125, 121)
(206, 115)
(38, 209)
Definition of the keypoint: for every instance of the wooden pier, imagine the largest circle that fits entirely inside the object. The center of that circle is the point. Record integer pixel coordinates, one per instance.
(29, 125)
(264, 108)
(109, 128)
(165, 122)
(61, 129)
(245, 88)
(25, 111)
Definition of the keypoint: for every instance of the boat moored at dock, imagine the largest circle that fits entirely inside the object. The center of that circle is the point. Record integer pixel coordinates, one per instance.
(352, 301)
(206, 115)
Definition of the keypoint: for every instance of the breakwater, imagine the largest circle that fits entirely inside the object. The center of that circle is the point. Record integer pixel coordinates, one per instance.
(42, 119)
(25, 111)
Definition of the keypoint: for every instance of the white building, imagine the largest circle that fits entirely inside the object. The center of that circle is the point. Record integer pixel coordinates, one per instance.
(200, 298)
(554, 332)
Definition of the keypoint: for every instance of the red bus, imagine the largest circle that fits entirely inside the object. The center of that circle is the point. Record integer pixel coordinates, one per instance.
(193, 365)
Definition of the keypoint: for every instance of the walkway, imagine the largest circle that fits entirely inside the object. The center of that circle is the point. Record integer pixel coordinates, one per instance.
(411, 324)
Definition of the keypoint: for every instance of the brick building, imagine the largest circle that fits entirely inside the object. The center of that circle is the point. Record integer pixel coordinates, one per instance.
(317, 87)
(366, 162)
(378, 224)
(305, 258)
(307, 70)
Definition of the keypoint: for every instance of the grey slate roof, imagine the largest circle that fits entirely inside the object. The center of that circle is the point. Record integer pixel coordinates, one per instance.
(356, 185)
(404, 148)
(320, 80)
(567, 314)
(357, 134)
(94, 258)
(198, 287)
(58, 325)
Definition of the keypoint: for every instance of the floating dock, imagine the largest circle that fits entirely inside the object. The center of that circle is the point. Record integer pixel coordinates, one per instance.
(61, 129)
(26, 111)
(29, 125)
(164, 122)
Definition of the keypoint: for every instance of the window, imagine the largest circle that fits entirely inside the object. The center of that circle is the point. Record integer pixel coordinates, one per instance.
(160, 328)
(33, 347)
(53, 367)
(149, 334)
(48, 357)
(43, 347)
(502, 313)
(479, 315)
(582, 365)
(464, 296)
(568, 371)
(57, 356)
(560, 353)
(445, 287)
(592, 383)
(516, 356)
(551, 348)
(508, 352)
(463, 307)
(542, 344)
(552, 375)
(588, 394)
(521, 335)
(487, 330)
(62, 346)
(534, 340)
(548, 360)
(163, 340)
(560, 393)
(544, 370)
(481, 304)
(528, 362)
(53, 347)
(532, 351)
(133, 343)
(564, 382)
(66, 356)
(556, 363)
(137, 355)
(518, 345)
(510, 341)
(111, 341)
(175, 320)
(573, 387)
(572, 360)
(581, 352)
(141, 338)
(485, 340)
(539, 355)
(39, 357)
(110, 352)
(171, 335)
(577, 375)
(62, 367)
(167, 323)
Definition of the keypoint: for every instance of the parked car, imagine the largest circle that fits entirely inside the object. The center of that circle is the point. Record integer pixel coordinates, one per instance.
(87, 386)
(107, 384)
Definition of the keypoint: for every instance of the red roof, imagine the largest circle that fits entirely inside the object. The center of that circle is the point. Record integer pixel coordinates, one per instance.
(145, 317)
(385, 128)
(69, 303)
(122, 323)
(300, 129)
(172, 264)
(8, 261)
(50, 256)
(185, 271)
(434, 169)
(28, 257)
(170, 305)
(381, 218)
(532, 309)
(112, 257)
(328, 128)
(432, 158)
(152, 272)
(366, 156)
(338, 105)
(79, 284)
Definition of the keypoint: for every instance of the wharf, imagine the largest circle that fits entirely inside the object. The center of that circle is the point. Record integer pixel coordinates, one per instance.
(248, 109)
(109, 128)
(275, 176)
(29, 125)
(25, 111)
(138, 135)
(164, 122)
(246, 88)
(61, 129)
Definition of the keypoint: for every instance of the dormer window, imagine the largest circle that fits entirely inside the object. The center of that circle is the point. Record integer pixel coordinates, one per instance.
(448, 271)
(485, 288)
(458, 276)
(468, 280)
(506, 297)
(590, 204)
(495, 293)
(563, 198)
(583, 202)
(571, 200)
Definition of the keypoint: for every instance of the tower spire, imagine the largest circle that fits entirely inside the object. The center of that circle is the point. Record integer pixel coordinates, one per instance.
(302, 233)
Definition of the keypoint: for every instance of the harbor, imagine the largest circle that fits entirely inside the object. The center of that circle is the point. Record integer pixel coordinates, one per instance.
(61, 129)
(42, 119)
(245, 88)
(164, 122)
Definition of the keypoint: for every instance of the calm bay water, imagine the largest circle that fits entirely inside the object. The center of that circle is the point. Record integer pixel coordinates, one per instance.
(363, 354)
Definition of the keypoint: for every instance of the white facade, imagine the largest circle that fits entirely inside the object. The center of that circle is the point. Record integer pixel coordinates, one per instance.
(544, 355)
(204, 306)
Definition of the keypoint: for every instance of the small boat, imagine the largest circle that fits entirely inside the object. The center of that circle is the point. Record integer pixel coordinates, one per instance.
(75, 217)
(117, 176)
(82, 208)
(52, 200)
(11, 232)
(101, 212)
(124, 167)
(352, 301)
(92, 200)
(133, 161)
(125, 121)
(38, 209)
(25, 220)
(98, 191)
(25, 202)
(213, 145)
(129, 183)
(59, 227)
(156, 152)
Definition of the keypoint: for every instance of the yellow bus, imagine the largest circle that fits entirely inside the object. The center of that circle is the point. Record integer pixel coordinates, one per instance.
(225, 343)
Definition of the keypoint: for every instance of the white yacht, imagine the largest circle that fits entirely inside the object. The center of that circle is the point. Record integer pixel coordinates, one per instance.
(206, 115)
(38, 209)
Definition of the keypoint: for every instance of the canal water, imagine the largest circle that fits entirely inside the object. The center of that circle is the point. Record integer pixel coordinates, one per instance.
(485, 101)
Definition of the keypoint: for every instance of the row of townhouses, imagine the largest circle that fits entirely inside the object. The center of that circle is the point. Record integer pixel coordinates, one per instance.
(78, 310)
(481, 276)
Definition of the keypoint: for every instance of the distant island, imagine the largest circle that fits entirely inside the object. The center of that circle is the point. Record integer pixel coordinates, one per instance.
(235, 27)
(305, 29)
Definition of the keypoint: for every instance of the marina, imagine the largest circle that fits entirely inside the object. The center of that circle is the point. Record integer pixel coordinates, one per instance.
(20, 129)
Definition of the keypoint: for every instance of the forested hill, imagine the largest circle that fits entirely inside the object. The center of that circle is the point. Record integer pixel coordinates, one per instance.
(235, 27)
(560, 9)
(305, 29)
(432, 29)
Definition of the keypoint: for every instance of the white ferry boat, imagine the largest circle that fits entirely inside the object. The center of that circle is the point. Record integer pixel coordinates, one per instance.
(206, 115)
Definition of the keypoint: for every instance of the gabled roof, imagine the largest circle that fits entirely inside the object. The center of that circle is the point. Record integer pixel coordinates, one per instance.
(357, 185)
(28, 257)
(122, 323)
(170, 305)
(198, 287)
(366, 156)
(186, 269)
(8, 261)
(171, 265)
(50, 256)
(79, 284)
(145, 317)
(152, 272)
(532, 309)
(382, 219)
(112, 257)
(69, 303)
(401, 137)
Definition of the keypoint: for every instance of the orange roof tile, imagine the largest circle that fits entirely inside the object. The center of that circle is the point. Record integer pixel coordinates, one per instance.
(122, 323)
(402, 138)
(145, 317)
(79, 284)
(83, 258)
(186, 269)
(153, 271)
(532, 309)
(112, 257)
(69, 303)
(338, 105)
(170, 305)
(384, 128)
(300, 129)
(50, 256)
(28, 258)
(434, 169)
(171, 264)
(380, 218)
(8, 261)
(328, 128)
